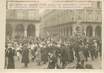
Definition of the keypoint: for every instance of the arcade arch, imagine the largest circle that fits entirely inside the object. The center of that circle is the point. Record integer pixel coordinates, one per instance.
(31, 30)
(89, 31)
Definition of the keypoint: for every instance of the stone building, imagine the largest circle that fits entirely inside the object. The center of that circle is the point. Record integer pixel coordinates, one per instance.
(21, 23)
(68, 22)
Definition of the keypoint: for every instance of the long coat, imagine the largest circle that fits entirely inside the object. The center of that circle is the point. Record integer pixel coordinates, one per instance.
(76, 49)
(25, 55)
(70, 54)
(64, 56)
(92, 51)
(44, 53)
(10, 58)
(85, 52)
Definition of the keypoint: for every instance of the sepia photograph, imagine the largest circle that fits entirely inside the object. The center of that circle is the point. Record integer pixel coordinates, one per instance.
(54, 38)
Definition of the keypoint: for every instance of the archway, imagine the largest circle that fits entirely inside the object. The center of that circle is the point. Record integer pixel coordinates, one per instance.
(31, 30)
(19, 31)
(89, 31)
(98, 32)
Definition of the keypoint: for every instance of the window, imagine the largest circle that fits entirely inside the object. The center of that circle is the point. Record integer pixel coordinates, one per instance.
(98, 4)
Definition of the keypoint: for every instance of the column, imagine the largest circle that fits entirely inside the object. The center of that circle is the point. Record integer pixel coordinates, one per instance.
(93, 31)
(64, 31)
(37, 29)
(73, 28)
(84, 29)
(25, 30)
(13, 31)
(25, 33)
(59, 31)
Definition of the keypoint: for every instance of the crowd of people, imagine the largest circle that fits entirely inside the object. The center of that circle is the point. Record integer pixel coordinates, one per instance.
(56, 54)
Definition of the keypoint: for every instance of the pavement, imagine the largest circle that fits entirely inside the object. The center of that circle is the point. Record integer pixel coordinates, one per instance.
(96, 64)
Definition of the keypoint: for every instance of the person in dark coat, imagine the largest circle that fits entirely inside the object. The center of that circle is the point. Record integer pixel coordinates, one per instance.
(44, 53)
(25, 56)
(51, 61)
(76, 49)
(92, 51)
(10, 53)
(59, 58)
(85, 52)
(70, 53)
(64, 56)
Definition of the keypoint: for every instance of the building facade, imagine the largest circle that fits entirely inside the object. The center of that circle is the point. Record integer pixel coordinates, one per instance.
(69, 22)
(21, 23)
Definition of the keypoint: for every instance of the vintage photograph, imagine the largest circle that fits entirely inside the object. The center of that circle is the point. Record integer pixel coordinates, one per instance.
(54, 38)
